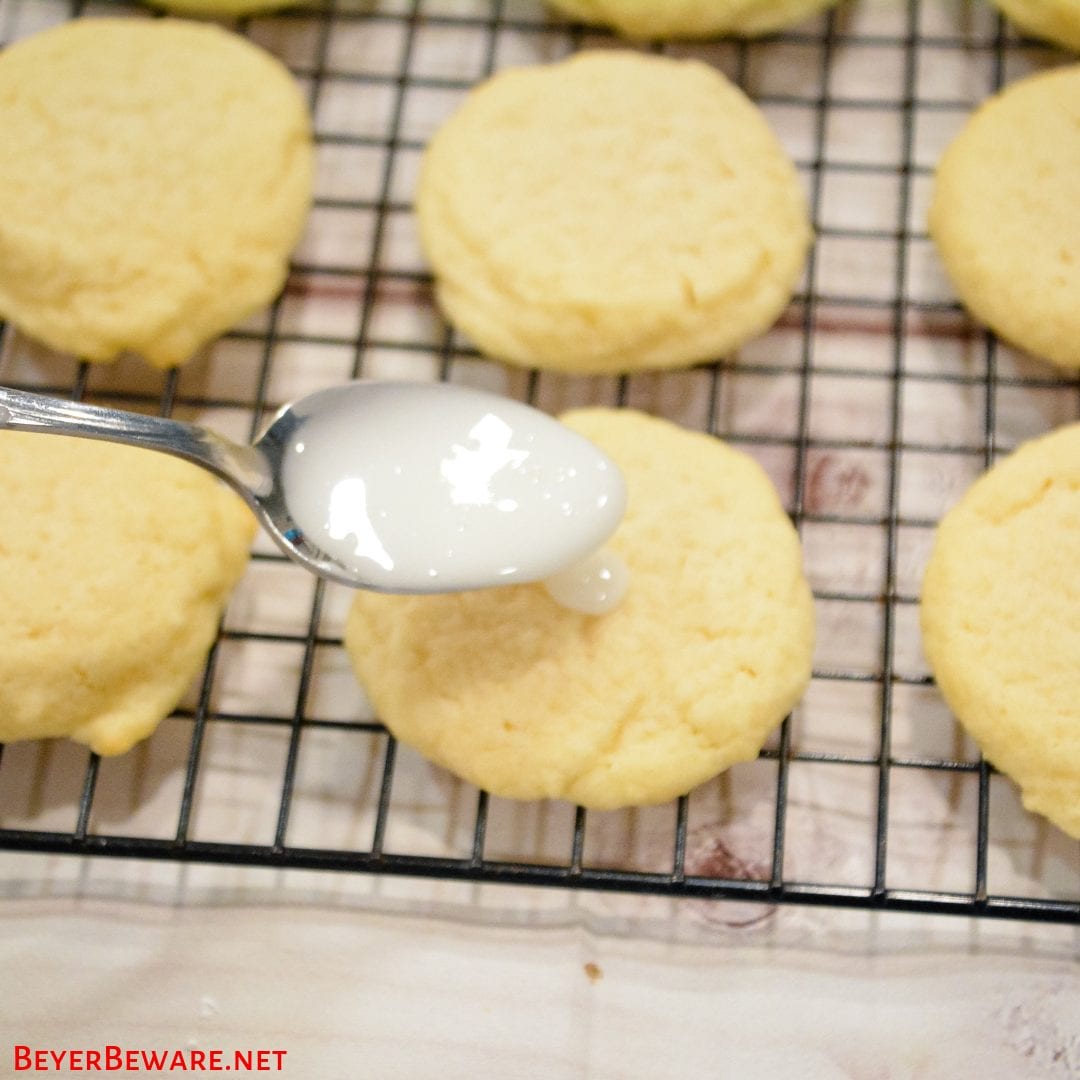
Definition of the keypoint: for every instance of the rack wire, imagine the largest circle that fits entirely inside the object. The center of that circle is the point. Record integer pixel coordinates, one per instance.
(872, 404)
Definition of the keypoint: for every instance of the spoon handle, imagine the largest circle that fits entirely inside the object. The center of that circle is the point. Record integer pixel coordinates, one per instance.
(243, 467)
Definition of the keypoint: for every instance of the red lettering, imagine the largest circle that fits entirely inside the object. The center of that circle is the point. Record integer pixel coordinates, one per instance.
(113, 1058)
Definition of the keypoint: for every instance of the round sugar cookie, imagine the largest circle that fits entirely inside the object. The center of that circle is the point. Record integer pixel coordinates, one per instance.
(707, 653)
(611, 212)
(1001, 620)
(115, 565)
(1005, 214)
(1053, 20)
(644, 19)
(158, 173)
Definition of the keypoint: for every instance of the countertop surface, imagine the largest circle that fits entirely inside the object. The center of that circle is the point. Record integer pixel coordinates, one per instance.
(390, 978)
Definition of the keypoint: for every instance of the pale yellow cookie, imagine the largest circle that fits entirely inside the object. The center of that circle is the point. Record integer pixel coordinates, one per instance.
(227, 8)
(1054, 20)
(1005, 214)
(644, 19)
(115, 565)
(611, 212)
(1001, 620)
(708, 652)
(157, 175)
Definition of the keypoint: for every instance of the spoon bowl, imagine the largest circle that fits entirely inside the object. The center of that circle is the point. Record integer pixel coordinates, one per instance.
(396, 487)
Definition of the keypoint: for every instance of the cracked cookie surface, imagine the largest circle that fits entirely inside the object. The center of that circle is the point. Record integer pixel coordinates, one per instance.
(611, 212)
(158, 175)
(115, 565)
(706, 655)
(1005, 214)
(1001, 620)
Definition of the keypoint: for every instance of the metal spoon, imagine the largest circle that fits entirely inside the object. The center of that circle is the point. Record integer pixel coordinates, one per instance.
(258, 473)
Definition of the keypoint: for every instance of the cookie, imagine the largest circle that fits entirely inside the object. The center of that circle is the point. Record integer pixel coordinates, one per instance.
(645, 19)
(1053, 20)
(1000, 602)
(158, 174)
(228, 8)
(709, 650)
(115, 564)
(1005, 214)
(611, 212)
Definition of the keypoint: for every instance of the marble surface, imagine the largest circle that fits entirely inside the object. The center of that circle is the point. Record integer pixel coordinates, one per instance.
(414, 979)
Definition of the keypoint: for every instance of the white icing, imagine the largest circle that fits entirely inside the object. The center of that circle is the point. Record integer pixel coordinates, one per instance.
(593, 586)
(418, 487)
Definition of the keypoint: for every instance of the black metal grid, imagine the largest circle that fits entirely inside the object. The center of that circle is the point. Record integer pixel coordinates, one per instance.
(893, 312)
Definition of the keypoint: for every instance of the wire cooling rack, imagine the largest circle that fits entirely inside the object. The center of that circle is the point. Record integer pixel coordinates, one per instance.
(872, 404)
